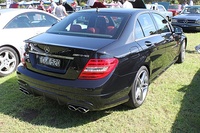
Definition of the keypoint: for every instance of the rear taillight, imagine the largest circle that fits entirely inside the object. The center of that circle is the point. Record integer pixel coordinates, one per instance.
(23, 61)
(98, 68)
(25, 54)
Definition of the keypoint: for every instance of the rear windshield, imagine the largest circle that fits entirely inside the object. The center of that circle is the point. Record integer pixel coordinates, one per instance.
(100, 25)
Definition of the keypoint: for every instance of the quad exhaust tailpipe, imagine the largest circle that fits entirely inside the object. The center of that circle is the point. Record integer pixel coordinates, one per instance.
(76, 108)
(24, 91)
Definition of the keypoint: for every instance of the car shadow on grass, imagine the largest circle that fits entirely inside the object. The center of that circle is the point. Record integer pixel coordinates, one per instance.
(188, 117)
(40, 111)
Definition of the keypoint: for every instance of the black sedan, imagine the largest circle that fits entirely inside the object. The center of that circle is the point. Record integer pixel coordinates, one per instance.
(99, 58)
(188, 19)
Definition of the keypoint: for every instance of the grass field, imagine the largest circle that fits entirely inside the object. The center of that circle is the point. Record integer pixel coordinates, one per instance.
(172, 106)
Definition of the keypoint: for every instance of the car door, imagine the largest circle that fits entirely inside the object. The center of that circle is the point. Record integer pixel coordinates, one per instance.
(151, 42)
(24, 26)
(170, 45)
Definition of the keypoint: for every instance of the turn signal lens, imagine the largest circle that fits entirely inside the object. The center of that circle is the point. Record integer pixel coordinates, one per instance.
(25, 55)
(23, 60)
(98, 68)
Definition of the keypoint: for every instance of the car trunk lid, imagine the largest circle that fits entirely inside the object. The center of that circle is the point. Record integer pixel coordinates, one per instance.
(64, 57)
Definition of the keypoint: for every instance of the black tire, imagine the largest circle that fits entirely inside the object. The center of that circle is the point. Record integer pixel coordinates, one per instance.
(139, 88)
(181, 56)
(8, 61)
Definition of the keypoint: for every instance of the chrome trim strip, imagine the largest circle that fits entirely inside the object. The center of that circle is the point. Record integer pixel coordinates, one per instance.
(51, 55)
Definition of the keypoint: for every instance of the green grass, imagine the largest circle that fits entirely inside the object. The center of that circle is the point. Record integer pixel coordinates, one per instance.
(172, 105)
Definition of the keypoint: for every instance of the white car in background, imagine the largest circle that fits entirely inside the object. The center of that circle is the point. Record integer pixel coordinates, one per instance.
(161, 9)
(17, 25)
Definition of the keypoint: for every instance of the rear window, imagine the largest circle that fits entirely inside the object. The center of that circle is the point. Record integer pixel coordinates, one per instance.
(100, 25)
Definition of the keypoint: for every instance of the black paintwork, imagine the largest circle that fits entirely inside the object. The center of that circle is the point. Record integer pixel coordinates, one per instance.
(63, 84)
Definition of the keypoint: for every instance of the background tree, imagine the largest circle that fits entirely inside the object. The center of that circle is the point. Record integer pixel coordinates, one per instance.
(2, 1)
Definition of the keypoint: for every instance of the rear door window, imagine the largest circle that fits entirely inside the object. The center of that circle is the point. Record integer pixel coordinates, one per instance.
(162, 23)
(147, 24)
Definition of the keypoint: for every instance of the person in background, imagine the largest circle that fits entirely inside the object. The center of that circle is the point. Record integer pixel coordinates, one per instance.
(41, 6)
(116, 4)
(53, 6)
(74, 4)
(191, 3)
(185, 4)
(60, 10)
(104, 2)
(127, 4)
(95, 4)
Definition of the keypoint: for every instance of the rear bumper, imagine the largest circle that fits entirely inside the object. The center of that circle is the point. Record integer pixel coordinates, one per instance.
(92, 95)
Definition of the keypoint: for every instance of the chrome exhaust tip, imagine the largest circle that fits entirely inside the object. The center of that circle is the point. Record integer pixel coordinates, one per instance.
(72, 108)
(82, 110)
(24, 91)
(76, 108)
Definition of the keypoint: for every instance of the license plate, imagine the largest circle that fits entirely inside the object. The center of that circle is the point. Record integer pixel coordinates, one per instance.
(49, 61)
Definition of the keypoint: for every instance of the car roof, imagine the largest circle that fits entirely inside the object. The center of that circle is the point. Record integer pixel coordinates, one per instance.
(16, 11)
(115, 10)
(8, 13)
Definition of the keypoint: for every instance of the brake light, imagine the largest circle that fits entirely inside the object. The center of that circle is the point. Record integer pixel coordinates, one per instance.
(25, 54)
(98, 68)
(23, 60)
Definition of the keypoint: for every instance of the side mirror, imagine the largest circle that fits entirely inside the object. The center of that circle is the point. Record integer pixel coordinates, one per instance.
(177, 31)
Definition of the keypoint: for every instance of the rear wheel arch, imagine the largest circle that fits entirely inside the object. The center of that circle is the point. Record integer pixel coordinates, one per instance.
(139, 88)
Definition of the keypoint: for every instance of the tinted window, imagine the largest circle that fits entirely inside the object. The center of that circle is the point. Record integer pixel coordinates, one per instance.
(102, 25)
(162, 23)
(191, 10)
(138, 31)
(147, 24)
(28, 20)
(160, 8)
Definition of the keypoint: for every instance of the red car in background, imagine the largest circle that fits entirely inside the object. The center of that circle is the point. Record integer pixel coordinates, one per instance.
(175, 9)
(14, 5)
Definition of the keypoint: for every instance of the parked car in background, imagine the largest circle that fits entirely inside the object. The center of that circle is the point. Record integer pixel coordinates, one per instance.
(197, 48)
(188, 19)
(16, 25)
(99, 58)
(14, 5)
(175, 9)
(161, 9)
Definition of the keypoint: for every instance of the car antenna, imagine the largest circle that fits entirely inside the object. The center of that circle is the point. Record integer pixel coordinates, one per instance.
(97, 9)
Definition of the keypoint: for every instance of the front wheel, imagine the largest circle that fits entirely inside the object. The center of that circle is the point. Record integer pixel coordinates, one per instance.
(8, 61)
(139, 88)
(181, 56)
